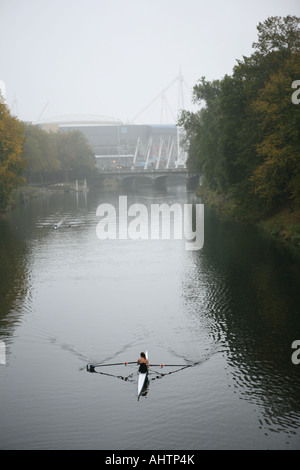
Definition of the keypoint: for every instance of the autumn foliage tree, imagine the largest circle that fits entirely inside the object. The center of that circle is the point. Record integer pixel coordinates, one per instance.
(29, 154)
(56, 156)
(11, 147)
(40, 152)
(76, 157)
(277, 175)
(245, 139)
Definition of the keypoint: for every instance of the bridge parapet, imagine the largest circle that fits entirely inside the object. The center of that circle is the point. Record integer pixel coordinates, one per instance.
(149, 172)
(155, 175)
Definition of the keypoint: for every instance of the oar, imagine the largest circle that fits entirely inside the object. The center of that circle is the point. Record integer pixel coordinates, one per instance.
(91, 367)
(170, 365)
(181, 367)
(113, 375)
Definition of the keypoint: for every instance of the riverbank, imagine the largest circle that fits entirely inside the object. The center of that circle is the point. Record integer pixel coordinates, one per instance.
(282, 227)
(27, 193)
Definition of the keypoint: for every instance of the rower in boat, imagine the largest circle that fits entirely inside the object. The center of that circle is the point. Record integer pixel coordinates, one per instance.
(143, 371)
(144, 363)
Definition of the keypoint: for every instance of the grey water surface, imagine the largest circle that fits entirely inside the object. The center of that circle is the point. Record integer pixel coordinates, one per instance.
(229, 311)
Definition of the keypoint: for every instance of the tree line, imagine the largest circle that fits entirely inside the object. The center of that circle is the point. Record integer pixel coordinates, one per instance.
(245, 137)
(30, 154)
(56, 156)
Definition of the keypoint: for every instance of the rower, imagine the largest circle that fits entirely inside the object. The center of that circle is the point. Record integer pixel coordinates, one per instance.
(144, 363)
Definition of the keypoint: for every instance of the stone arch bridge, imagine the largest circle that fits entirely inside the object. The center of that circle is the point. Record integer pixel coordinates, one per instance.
(158, 177)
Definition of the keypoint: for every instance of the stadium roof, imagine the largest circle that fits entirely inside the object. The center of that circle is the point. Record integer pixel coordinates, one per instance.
(81, 120)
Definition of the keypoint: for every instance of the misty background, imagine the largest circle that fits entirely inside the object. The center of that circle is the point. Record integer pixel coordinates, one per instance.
(113, 57)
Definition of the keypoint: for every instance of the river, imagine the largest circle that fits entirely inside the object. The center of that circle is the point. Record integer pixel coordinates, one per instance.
(228, 311)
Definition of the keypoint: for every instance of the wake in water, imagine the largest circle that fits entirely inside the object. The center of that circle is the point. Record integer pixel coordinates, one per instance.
(205, 355)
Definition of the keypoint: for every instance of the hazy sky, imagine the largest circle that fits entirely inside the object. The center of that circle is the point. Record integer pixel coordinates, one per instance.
(113, 57)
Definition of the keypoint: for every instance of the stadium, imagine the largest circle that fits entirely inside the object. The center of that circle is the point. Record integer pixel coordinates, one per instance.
(120, 145)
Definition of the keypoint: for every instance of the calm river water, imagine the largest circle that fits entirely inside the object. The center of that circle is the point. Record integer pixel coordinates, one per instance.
(230, 311)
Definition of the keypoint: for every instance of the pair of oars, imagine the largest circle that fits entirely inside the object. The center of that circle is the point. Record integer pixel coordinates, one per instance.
(91, 367)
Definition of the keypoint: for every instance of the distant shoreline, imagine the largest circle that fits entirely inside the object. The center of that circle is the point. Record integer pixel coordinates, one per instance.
(29, 192)
(282, 227)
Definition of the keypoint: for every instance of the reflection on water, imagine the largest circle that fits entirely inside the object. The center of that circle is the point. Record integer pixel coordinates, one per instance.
(250, 292)
(13, 275)
(227, 313)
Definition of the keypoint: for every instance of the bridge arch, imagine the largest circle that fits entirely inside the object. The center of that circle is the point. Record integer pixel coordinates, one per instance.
(158, 178)
(130, 181)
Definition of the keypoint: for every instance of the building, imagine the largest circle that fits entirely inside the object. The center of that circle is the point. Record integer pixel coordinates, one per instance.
(119, 145)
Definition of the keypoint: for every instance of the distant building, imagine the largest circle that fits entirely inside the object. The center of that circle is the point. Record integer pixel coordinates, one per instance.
(119, 145)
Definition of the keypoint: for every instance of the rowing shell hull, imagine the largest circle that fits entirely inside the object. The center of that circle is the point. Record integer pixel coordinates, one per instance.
(142, 379)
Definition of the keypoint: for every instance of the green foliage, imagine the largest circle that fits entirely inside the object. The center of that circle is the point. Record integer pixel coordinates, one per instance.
(76, 158)
(30, 154)
(278, 34)
(277, 174)
(202, 130)
(40, 152)
(56, 156)
(245, 138)
(11, 147)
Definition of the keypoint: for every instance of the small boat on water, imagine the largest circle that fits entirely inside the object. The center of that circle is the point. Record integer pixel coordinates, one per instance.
(142, 377)
(56, 226)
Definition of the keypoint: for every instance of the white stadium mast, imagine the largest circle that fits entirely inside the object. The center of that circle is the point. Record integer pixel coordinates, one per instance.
(166, 108)
(164, 102)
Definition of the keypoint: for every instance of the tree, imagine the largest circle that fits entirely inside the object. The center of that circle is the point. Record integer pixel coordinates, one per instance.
(202, 132)
(53, 156)
(277, 176)
(39, 150)
(11, 163)
(278, 34)
(245, 138)
(76, 157)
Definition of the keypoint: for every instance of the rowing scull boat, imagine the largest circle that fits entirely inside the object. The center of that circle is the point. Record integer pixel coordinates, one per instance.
(142, 379)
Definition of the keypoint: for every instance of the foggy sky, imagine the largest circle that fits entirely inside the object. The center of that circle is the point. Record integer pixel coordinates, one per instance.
(113, 57)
